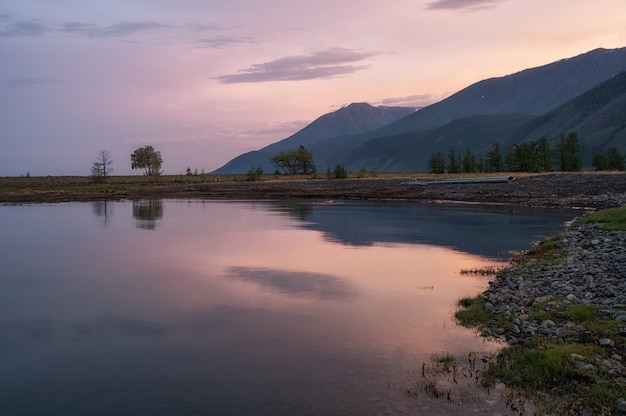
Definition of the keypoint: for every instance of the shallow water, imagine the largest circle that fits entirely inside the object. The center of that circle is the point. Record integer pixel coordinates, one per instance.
(227, 308)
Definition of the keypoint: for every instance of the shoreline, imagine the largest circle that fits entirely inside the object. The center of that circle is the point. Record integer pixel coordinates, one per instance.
(564, 298)
(550, 190)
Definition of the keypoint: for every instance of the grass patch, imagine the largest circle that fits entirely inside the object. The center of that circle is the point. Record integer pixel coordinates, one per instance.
(546, 251)
(472, 312)
(483, 271)
(552, 371)
(610, 219)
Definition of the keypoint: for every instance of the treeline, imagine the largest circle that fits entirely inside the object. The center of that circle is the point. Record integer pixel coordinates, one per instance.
(532, 156)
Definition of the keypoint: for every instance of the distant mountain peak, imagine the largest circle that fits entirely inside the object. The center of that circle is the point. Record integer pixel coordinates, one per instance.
(360, 135)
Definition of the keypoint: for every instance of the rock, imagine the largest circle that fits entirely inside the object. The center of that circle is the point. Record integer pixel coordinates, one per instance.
(606, 342)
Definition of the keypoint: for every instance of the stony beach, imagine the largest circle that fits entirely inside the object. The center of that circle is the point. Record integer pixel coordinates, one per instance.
(591, 272)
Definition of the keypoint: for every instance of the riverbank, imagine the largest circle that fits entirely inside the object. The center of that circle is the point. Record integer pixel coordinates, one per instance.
(589, 190)
(561, 310)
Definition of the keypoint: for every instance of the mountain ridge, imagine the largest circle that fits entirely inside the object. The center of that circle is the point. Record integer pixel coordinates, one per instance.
(532, 92)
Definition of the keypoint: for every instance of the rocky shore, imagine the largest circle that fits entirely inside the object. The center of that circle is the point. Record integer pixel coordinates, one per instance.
(590, 271)
(577, 295)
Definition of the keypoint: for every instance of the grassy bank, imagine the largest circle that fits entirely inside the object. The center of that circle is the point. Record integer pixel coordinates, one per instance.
(561, 376)
(82, 188)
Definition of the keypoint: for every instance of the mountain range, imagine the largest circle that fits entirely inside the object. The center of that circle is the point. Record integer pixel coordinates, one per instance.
(586, 94)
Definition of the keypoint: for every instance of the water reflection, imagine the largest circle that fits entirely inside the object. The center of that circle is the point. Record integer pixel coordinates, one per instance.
(234, 309)
(147, 212)
(103, 210)
(487, 230)
(299, 211)
(295, 283)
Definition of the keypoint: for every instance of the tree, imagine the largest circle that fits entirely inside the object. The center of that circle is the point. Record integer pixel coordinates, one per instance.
(600, 162)
(494, 158)
(611, 160)
(436, 163)
(614, 158)
(148, 159)
(454, 162)
(509, 160)
(469, 165)
(340, 172)
(568, 149)
(294, 162)
(101, 167)
(525, 157)
(544, 155)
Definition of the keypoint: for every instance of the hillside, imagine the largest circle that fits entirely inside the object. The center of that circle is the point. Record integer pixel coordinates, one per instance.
(410, 151)
(598, 116)
(348, 137)
(353, 119)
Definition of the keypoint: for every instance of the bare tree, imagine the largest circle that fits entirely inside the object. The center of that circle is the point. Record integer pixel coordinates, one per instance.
(101, 167)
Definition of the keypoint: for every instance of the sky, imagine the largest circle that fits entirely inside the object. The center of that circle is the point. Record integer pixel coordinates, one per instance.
(204, 81)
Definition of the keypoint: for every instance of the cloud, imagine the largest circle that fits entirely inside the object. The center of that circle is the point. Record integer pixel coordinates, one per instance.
(469, 5)
(11, 28)
(323, 64)
(30, 81)
(118, 29)
(418, 100)
(219, 42)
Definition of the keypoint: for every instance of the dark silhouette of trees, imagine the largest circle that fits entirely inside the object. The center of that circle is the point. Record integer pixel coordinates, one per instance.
(494, 158)
(611, 160)
(567, 150)
(294, 162)
(528, 156)
(454, 162)
(101, 167)
(437, 163)
(148, 159)
(469, 161)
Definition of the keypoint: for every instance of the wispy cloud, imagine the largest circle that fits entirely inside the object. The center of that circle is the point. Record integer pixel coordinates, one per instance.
(10, 27)
(116, 30)
(418, 100)
(219, 42)
(329, 63)
(467, 5)
(30, 82)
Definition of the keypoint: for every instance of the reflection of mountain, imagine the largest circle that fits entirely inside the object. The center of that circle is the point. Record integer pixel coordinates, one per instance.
(147, 212)
(486, 230)
(295, 283)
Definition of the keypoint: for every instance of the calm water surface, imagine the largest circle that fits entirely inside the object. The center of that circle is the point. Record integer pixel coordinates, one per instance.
(240, 308)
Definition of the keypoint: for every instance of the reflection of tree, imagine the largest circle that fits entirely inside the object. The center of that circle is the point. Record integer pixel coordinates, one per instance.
(299, 211)
(103, 210)
(147, 212)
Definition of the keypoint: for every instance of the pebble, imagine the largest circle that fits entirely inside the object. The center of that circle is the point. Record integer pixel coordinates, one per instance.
(592, 272)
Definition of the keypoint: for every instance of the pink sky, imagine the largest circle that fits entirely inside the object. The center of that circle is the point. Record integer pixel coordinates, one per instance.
(204, 81)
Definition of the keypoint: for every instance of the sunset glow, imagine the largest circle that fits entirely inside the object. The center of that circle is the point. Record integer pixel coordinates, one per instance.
(206, 81)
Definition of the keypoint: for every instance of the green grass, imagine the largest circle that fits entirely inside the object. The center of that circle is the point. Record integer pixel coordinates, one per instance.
(546, 251)
(610, 219)
(472, 312)
(551, 371)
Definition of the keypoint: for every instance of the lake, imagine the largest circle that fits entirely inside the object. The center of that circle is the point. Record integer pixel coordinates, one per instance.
(193, 307)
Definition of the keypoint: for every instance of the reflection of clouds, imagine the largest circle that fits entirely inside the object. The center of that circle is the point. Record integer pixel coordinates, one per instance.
(295, 283)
